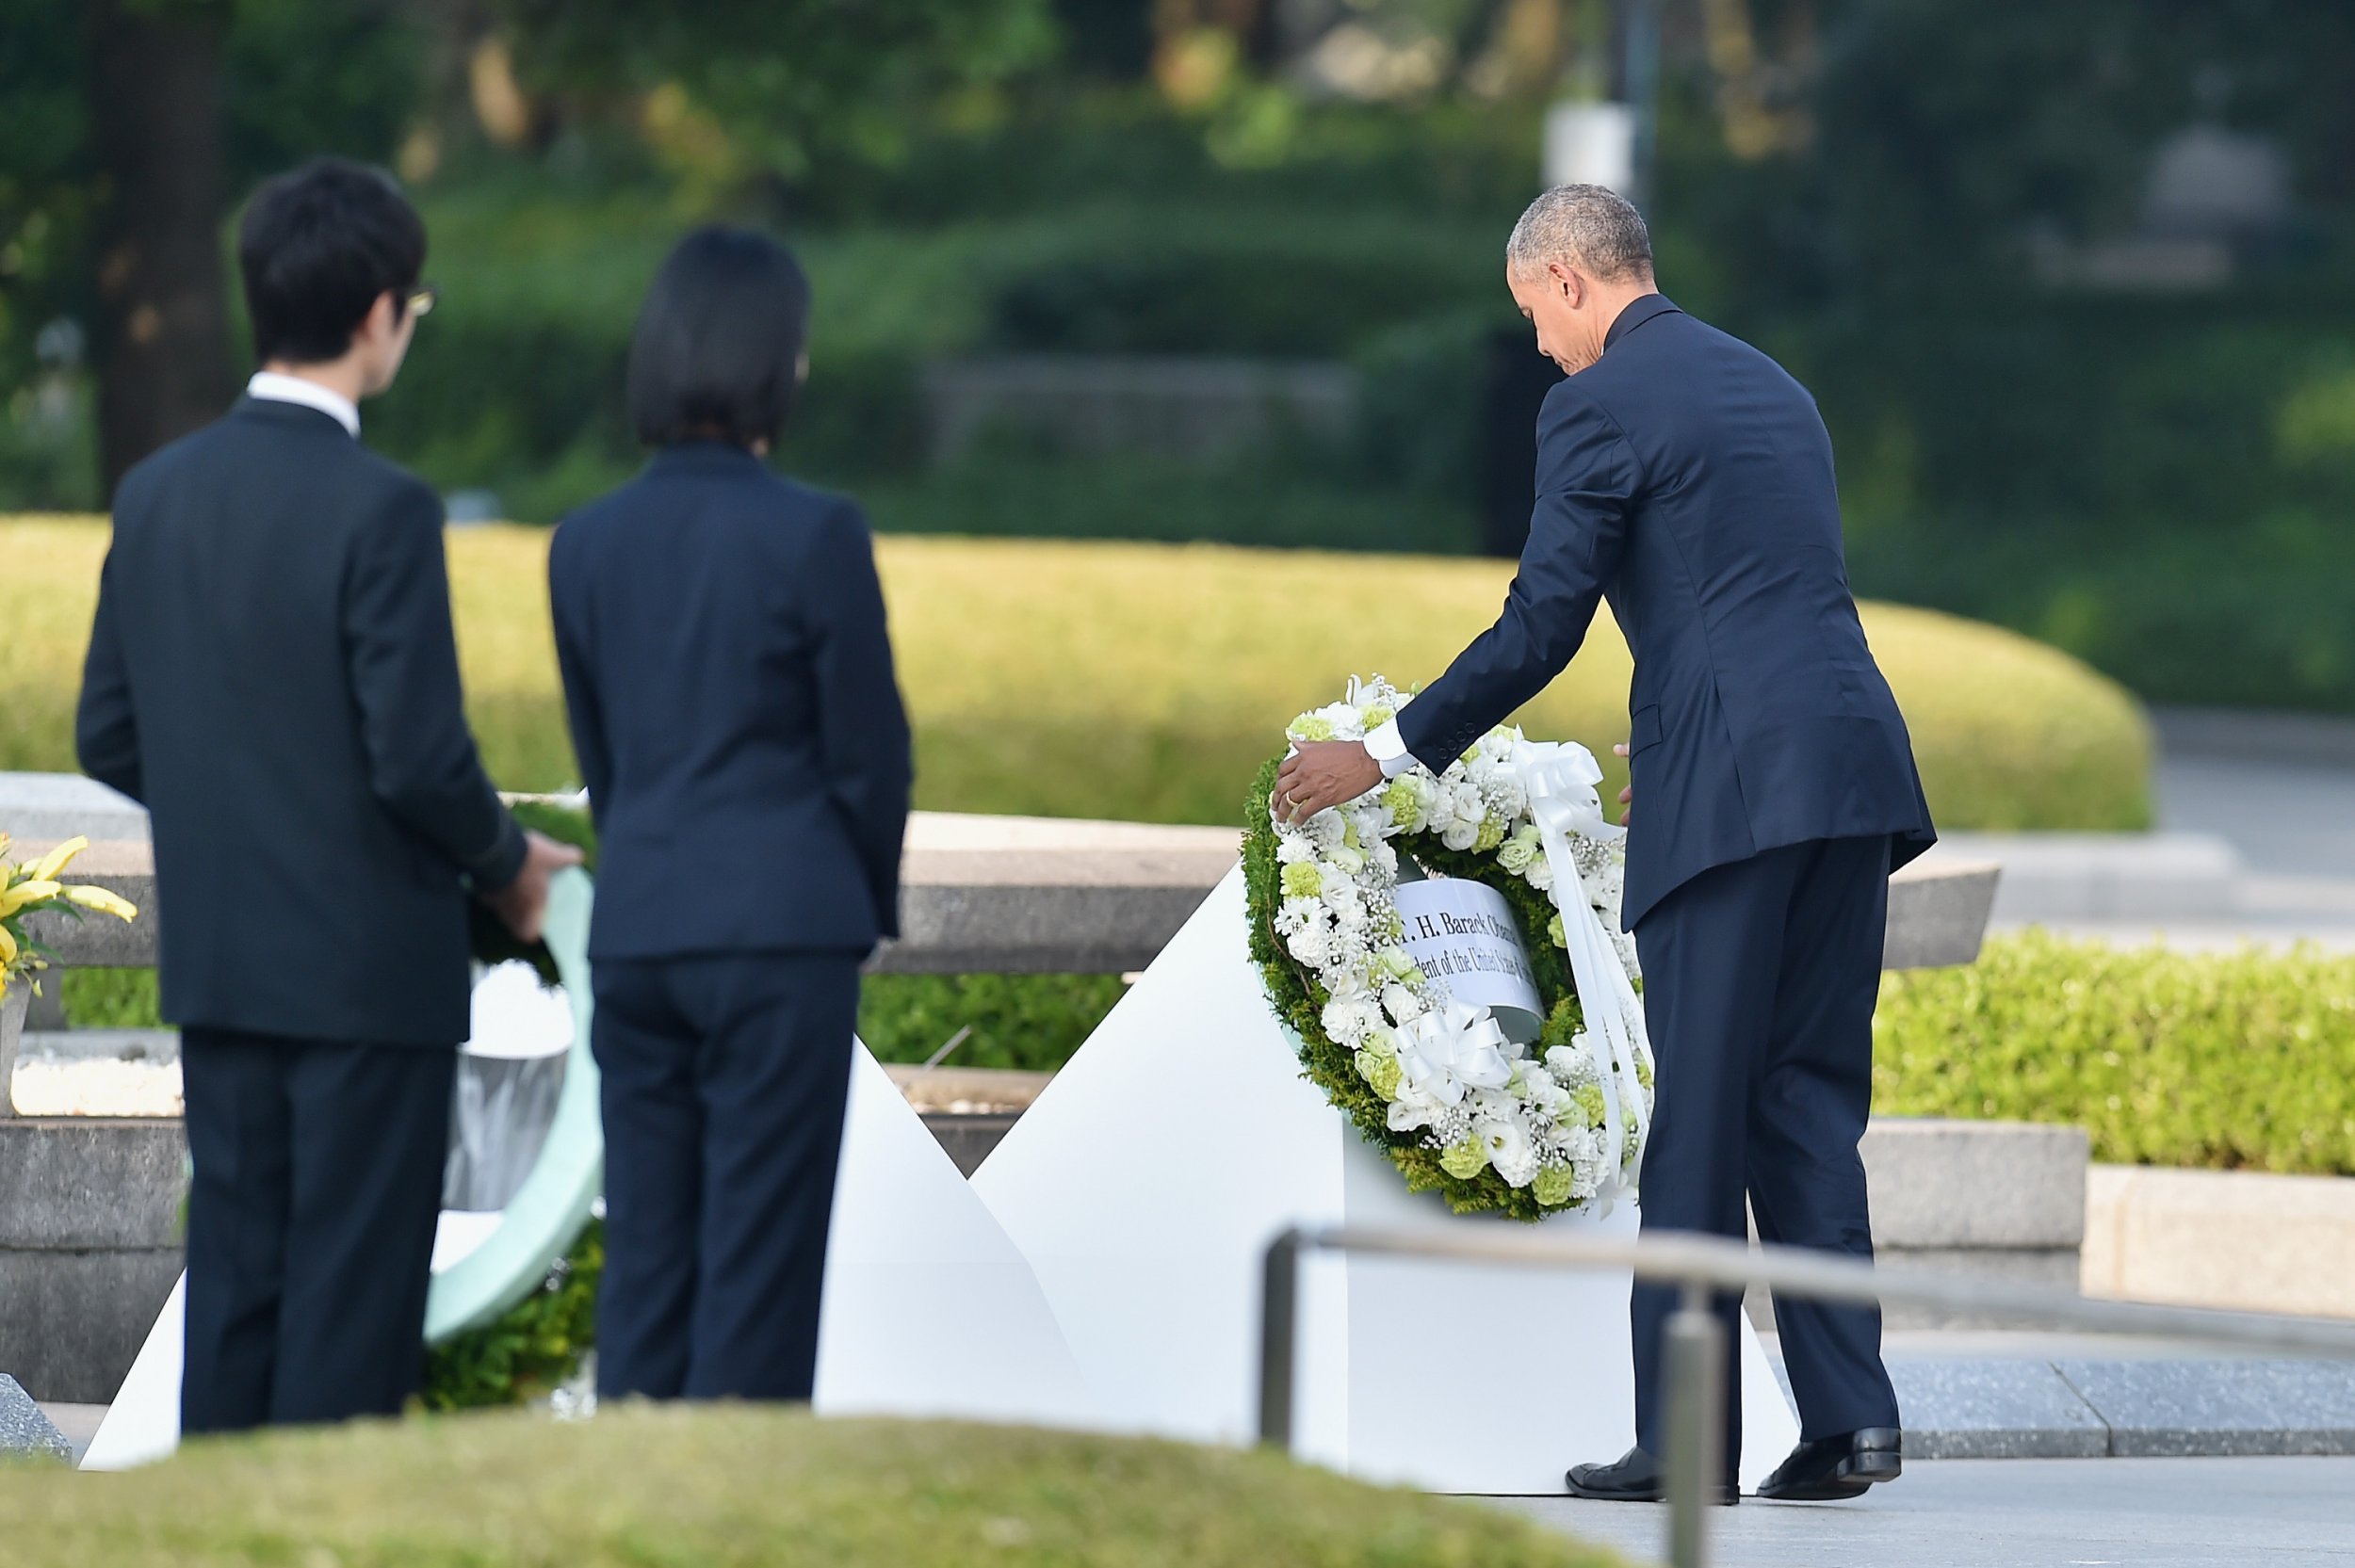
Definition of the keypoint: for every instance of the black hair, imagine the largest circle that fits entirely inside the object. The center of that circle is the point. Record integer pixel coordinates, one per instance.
(317, 248)
(718, 349)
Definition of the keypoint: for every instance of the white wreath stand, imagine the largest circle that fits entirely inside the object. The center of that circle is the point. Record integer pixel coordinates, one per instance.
(1145, 1184)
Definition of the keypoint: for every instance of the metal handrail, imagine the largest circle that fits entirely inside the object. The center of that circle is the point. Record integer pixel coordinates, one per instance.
(1696, 1354)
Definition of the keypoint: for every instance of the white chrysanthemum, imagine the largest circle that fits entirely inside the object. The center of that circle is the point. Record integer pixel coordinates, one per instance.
(1541, 874)
(1291, 849)
(1296, 913)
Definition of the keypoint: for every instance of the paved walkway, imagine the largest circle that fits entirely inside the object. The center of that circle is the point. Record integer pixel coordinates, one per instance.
(2281, 790)
(2023, 1513)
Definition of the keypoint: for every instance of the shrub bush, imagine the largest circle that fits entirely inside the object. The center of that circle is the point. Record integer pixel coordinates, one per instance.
(717, 1486)
(1145, 682)
(2235, 1060)
(1032, 1021)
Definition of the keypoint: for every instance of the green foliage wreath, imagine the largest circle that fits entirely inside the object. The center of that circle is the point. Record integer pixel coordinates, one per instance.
(1299, 1002)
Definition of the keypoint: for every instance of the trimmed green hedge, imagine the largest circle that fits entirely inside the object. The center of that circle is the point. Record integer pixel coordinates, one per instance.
(724, 1486)
(2232, 1061)
(1147, 682)
(1031, 1022)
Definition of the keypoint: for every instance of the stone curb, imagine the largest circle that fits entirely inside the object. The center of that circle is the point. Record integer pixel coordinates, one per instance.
(2135, 1409)
(2087, 876)
(2317, 741)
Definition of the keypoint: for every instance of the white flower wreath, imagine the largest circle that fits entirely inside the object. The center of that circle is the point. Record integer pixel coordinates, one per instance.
(1566, 1122)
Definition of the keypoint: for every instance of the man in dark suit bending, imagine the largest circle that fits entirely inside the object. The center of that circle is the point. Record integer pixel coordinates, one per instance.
(272, 673)
(1686, 477)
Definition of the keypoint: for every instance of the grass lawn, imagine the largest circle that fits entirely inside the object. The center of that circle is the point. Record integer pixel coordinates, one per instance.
(719, 1486)
(1150, 681)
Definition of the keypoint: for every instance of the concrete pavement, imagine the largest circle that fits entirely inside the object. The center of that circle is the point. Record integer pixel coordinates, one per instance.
(2278, 792)
(2020, 1513)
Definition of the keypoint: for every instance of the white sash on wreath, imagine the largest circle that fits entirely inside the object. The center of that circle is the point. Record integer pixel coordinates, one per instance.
(1560, 781)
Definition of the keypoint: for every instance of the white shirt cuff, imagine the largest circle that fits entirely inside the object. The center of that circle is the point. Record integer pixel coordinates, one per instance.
(1389, 748)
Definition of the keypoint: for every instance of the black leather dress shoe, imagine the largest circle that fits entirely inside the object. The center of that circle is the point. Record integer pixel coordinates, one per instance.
(1635, 1476)
(1830, 1468)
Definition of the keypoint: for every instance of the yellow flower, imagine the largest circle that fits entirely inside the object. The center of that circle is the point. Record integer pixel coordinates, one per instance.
(33, 892)
(7, 950)
(103, 901)
(46, 868)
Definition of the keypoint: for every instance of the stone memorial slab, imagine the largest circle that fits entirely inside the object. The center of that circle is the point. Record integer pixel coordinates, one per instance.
(24, 1430)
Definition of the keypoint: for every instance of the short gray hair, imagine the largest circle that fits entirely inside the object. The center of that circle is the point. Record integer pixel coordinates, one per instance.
(1591, 228)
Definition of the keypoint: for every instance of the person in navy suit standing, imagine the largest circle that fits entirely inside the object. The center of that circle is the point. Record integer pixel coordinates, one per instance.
(1685, 476)
(728, 676)
(273, 674)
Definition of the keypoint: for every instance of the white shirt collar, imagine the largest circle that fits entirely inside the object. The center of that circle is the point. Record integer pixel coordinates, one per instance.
(274, 387)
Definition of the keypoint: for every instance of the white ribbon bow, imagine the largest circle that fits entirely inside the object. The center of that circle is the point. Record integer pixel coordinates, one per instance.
(1560, 779)
(1451, 1048)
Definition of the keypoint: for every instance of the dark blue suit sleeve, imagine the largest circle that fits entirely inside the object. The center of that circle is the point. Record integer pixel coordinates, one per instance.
(1586, 478)
(584, 706)
(401, 656)
(862, 728)
(106, 729)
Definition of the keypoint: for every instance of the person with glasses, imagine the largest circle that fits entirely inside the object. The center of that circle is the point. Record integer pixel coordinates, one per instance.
(273, 673)
(728, 675)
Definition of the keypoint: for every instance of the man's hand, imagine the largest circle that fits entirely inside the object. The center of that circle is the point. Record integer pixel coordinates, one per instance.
(1322, 773)
(524, 902)
(1626, 795)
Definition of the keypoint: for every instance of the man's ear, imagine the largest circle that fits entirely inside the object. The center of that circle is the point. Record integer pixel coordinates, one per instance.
(1567, 280)
(383, 320)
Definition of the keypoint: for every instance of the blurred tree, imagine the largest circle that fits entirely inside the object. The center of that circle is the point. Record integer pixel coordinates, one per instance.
(130, 128)
(162, 336)
(732, 90)
(1106, 38)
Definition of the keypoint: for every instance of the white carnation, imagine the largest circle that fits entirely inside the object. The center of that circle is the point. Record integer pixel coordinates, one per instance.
(1569, 1065)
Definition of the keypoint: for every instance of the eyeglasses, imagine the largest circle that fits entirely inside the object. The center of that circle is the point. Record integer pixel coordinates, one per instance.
(423, 298)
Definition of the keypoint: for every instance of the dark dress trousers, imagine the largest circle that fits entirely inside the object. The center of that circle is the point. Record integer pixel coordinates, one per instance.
(729, 679)
(1688, 479)
(273, 673)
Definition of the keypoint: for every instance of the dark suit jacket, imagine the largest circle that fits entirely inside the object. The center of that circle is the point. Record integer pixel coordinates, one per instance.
(273, 673)
(1688, 478)
(729, 678)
